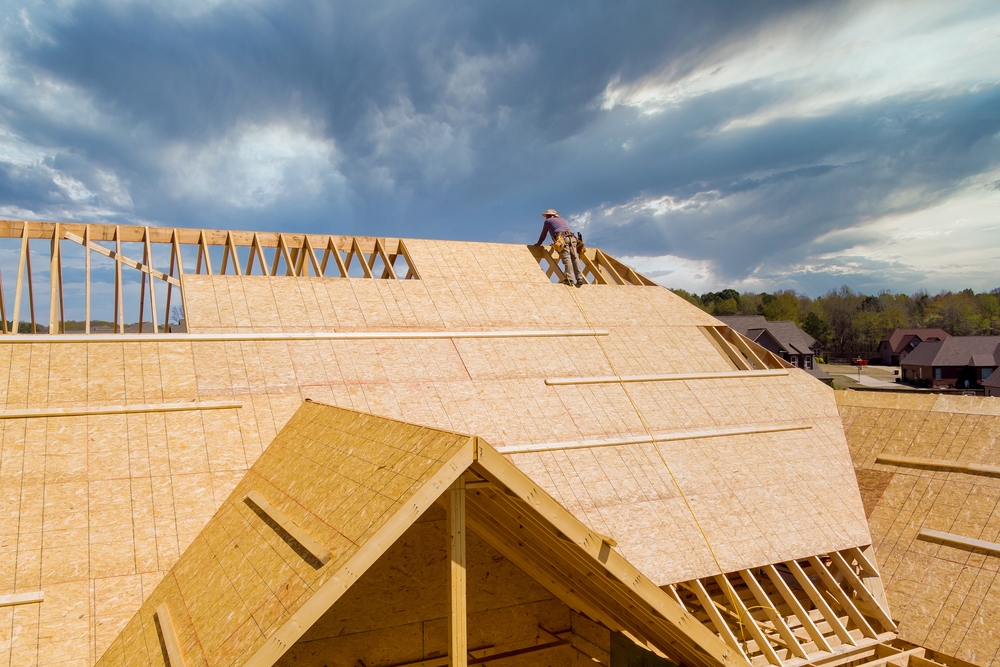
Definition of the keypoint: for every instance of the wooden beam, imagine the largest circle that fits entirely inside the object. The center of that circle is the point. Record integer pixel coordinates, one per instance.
(667, 377)
(332, 251)
(820, 602)
(175, 657)
(960, 541)
(841, 597)
(458, 635)
(748, 621)
(15, 599)
(709, 605)
(203, 254)
(86, 279)
(152, 288)
(788, 595)
(881, 615)
(3, 308)
(734, 355)
(20, 280)
(38, 413)
(387, 272)
(119, 296)
(319, 335)
(411, 272)
(54, 280)
(120, 259)
(281, 253)
(356, 253)
(31, 294)
(944, 464)
(671, 436)
(256, 251)
(299, 534)
(776, 619)
(870, 577)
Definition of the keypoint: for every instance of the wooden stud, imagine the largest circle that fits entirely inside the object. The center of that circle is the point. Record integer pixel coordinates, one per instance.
(118, 257)
(730, 351)
(231, 250)
(776, 619)
(825, 610)
(318, 551)
(333, 251)
(356, 253)
(256, 251)
(20, 278)
(86, 279)
(119, 296)
(281, 253)
(788, 595)
(174, 250)
(869, 573)
(709, 605)
(54, 282)
(602, 260)
(841, 597)
(142, 296)
(881, 614)
(203, 253)
(175, 657)
(387, 272)
(411, 271)
(31, 293)
(458, 652)
(748, 621)
(3, 307)
(148, 261)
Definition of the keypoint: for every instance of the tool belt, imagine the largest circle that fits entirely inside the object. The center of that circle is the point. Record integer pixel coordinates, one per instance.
(559, 243)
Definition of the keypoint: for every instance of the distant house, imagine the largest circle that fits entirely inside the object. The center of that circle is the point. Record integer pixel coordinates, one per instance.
(894, 348)
(783, 338)
(953, 361)
(991, 385)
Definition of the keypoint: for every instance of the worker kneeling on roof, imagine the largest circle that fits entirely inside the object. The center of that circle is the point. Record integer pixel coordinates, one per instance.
(566, 244)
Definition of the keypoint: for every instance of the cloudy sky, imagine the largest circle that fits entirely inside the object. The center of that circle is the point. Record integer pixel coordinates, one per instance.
(712, 144)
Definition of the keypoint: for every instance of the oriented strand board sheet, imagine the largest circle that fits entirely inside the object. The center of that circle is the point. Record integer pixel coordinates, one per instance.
(98, 508)
(946, 598)
(239, 580)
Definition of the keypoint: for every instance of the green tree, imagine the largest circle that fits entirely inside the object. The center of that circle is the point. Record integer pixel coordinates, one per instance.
(818, 328)
(725, 307)
(780, 306)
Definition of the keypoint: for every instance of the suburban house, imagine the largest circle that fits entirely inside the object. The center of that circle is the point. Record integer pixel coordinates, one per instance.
(894, 348)
(783, 338)
(991, 385)
(953, 361)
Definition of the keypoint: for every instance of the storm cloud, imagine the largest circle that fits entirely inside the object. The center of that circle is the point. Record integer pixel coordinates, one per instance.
(789, 145)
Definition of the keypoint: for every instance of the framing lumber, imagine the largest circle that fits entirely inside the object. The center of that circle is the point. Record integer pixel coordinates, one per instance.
(788, 595)
(39, 413)
(175, 657)
(308, 335)
(854, 581)
(959, 541)
(667, 377)
(944, 464)
(203, 254)
(119, 293)
(86, 280)
(332, 251)
(825, 610)
(776, 619)
(748, 621)
(299, 534)
(458, 636)
(256, 251)
(16, 599)
(20, 281)
(671, 436)
(841, 597)
(711, 608)
(121, 259)
(55, 283)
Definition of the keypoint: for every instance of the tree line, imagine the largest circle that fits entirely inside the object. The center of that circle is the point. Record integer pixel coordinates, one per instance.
(851, 324)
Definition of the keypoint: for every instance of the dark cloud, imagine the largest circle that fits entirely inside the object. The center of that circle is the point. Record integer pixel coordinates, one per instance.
(434, 119)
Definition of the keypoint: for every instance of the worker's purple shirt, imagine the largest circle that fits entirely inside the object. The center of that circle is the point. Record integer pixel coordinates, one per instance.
(555, 226)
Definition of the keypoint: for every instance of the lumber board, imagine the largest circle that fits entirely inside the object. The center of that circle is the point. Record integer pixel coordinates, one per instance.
(687, 434)
(944, 464)
(959, 541)
(302, 536)
(458, 636)
(311, 335)
(15, 599)
(175, 656)
(37, 413)
(666, 377)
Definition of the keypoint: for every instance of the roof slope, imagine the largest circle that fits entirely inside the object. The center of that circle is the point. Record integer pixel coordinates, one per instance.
(957, 351)
(241, 594)
(945, 597)
(899, 338)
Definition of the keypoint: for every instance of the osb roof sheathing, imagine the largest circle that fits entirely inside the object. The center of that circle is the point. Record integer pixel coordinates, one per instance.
(946, 598)
(355, 483)
(99, 507)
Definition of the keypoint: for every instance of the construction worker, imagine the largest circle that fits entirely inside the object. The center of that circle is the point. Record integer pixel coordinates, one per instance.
(565, 243)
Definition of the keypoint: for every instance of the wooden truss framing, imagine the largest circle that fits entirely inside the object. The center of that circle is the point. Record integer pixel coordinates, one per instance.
(270, 254)
(599, 268)
(799, 612)
(742, 353)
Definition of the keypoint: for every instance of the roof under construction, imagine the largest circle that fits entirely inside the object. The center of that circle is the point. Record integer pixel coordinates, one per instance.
(682, 486)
